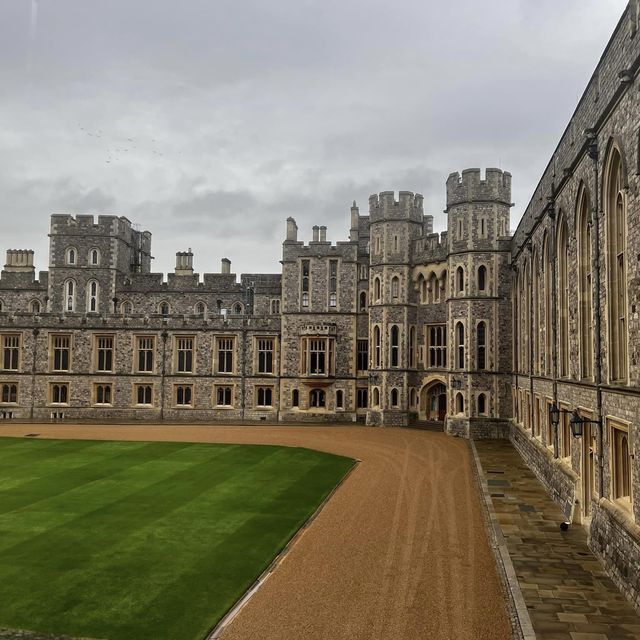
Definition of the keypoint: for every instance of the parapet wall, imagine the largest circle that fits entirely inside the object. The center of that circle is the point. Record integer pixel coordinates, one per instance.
(384, 206)
(470, 187)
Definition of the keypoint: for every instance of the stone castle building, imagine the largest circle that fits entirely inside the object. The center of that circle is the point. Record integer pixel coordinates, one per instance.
(533, 336)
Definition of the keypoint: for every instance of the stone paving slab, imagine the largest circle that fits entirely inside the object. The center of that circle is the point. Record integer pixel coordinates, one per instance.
(566, 590)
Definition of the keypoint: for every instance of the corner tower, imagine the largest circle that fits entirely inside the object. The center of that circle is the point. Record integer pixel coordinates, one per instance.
(478, 308)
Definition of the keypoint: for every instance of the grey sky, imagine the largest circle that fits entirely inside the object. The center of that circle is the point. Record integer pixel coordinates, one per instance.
(208, 122)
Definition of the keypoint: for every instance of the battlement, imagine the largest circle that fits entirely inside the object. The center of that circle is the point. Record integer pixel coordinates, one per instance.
(384, 206)
(470, 187)
(62, 224)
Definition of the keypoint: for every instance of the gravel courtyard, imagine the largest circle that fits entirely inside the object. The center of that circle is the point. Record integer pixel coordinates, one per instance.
(398, 553)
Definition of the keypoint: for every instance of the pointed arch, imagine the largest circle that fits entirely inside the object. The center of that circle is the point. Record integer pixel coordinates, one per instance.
(585, 282)
(562, 251)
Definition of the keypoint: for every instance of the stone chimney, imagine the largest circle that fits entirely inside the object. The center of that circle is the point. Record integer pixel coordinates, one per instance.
(323, 233)
(316, 233)
(184, 263)
(225, 266)
(292, 230)
(19, 261)
(355, 222)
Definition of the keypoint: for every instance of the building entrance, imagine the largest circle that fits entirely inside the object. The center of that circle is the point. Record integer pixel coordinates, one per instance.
(433, 402)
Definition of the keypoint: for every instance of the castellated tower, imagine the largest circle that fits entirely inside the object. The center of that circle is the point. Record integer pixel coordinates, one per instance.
(394, 225)
(478, 305)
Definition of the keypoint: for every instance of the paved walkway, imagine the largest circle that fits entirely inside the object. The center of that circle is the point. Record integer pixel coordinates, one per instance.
(567, 593)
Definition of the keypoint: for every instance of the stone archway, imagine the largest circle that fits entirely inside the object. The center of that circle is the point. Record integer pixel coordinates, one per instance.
(433, 401)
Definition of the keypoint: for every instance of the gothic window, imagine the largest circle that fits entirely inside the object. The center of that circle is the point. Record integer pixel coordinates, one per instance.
(126, 308)
(616, 225)
(34, 306)
(547, 280)
(434, 288)
(535, 332)
(200, 309)
(437, 345)
(394, 398)
(305, 269)
(184, 346)
(412, 397)
(11, 343)
(459, 345)
(363, 301)
(412, 347)
(224, 396)
(395, 287)
(183, 395)
(482, 278)
(459, 403)
(317, 399)
(333, 283)
(275, 307)
(71, 256)
(394, 353)
(339, 399)
(377, 347)
(144, 394)
(70, 295)
(94, 257)
(102, 393)
(265, 348)
(620, 464)
(375, 397)
(145, 347)
(9, 394)
(377, 292)
(295, 398)
(482, 404)
(362, 398)
(164, 308)
(583, 230)
(224, 354)
(93, 293)
(104, 348)
(563, 296)
(481, 338)
(60, 352)
(59, 393)
(460, 280)
(237, 309)
(362, 361)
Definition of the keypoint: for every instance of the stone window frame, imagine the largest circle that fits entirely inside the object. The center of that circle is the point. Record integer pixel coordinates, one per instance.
(231, 387)
(312, 344)
(71, 257)
(459, 281)
(486, 411)
(395, 288)
(11, 343)
(94, 251)
(339, 400)
(35, 306)
(180, 368)
(109, 352)
(257, 351)
(164, 308)
(563, 285)
(52, 393)
(434, 346)
(333, 277)
(565, 438)
(200, 309)
(102, 394)
(375, 397)
(394, 398)
(216, 354)
(135, 395)
(274, 306)
(70, 290)
(305, 283)
(395, 339)
(295, 398)
(183, 392)
(460, 350)
(482, 279)
(482, 348)
(137, 339)
(59, 336)
(362, 398)
(126, 308)
(263, 390)
(585, 283)
(8, 390)
(620, 474)
(459, 403)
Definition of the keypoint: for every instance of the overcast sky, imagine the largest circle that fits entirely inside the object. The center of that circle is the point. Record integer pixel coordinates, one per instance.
(209, 122)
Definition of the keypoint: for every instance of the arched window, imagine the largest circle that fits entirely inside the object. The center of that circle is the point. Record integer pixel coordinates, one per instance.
(394, 397)
(34, 307)
(275, 307)
(200, 308)
(583, 232)
(375, 397)
(482, 278)
(460, 279)
(339, 399)
(459, 345)
(70, 295)
(377, 347)
(535, 330)
(295, 398)
(548, 303)
(434, 287)
(93, 292)
(164, 308)
(395, 287)
(317, 398)
(71, 256)
(616, 225)
(94, 257)
(377, 289)
(237, 309)
(412, 347)
(394, 353)
(423, 290)
(363, 301)
(126, 308)
(459, 403)
(482, 404)
(481, 345)
(563, 296)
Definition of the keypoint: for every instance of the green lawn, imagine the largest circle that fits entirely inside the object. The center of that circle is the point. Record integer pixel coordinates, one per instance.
(145, 540)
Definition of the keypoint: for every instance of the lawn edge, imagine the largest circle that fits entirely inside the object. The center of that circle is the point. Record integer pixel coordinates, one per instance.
(231, 614)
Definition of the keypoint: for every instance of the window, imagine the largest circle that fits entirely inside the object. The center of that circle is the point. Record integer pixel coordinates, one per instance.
(275, 307)
(200, 309)
(9, 393)
(459, 403)
(61, 352)
(548, 303)
(394, 398)
(437, 345)
(412, 347)
(104, 353)
(295, 398)
(565, 432)
(59, 393)
(433, 288)
(482, 404)
(377, 289)
(318, 356)
(305, 275)
(339, 399)
(224, 355)
(362, 355)
(184, 354)
(144, 394)
(394, 352)
(481, 345)
(482, 228)
(395, 287)
(183, 395)
(224, 396)
(265, 355)
(333, 283)
(377, 347)
(616, 226)
(164, 308)
(375, 397)
(363, 272)
(459, 345)
(563, 296)
(460, 229)
(93, 290)
(70, 295)
(395, 243)
(94, 257)
(363, 301)
(34, 306)
(11, 351)
(583, 232)
(71, 256)
(460, 279)
(362, 398)
(126, 308)
(145, 347)
(102, 393)
(482, 278)
(237, 309)
(620, 464)
(264, 396)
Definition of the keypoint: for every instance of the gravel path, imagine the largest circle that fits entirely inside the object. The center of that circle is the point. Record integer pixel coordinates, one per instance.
(398, 553)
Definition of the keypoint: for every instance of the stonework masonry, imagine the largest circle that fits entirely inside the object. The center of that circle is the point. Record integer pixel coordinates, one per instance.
(472, 330)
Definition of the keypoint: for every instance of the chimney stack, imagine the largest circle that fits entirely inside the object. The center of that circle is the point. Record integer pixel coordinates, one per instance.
(19, 260)
(316, 233)
(355, 222)
(184, 263)
(292, 230)
(225, 265)
(323, 234)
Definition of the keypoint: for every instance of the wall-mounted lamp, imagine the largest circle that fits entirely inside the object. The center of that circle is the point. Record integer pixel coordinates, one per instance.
(577, 423)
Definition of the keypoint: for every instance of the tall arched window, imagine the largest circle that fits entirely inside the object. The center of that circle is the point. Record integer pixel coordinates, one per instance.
(394, 353)
(200, 308)
(482, 278)
(377, 347)
(535, 330)
(164, 308)
(70, 295)
(126, 308)
(434, 287)
(481, 345)
(460, 279)
(94, 257)
(375, 397)
(395, 287)
(548, 300)
(71, 256)
(377, 289)
(583, 232)
(395, 401)
(563, 296)
(412, 347)
(363, 301)
(295, 398)
(616, 225)
(459, 345)
(34, 307)
(482, 404)
(459, 403)
(93, 293)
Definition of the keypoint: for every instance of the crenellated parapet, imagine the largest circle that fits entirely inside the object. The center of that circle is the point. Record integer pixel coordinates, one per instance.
(384, 206)
(470, 187)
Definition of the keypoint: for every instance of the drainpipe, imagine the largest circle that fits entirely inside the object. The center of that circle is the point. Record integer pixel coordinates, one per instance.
(36, 332)
(596, 216)
(554, 314)
(164, 335)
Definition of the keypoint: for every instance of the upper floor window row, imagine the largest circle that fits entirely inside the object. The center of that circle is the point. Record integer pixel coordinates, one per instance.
(71, 257)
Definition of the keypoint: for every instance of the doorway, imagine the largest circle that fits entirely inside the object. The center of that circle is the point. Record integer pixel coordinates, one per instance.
(433, 402)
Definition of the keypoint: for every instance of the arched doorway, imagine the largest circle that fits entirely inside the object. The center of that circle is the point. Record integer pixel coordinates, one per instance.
(433, 402)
